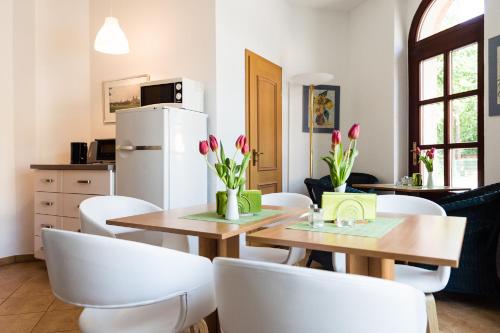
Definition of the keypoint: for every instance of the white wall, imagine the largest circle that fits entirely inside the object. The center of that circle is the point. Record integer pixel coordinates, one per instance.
(167, 38)
(375, 99)
(8, 239)
(46, 83)
(297, 39)
(491, 124)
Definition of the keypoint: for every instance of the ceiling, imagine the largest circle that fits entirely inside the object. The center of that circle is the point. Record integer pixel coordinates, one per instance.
(344, 5)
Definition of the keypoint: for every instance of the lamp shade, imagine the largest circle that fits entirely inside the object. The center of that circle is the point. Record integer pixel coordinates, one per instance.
(110, 38)
(314, 79)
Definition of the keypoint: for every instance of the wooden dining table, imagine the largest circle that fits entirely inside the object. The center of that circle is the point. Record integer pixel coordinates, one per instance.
(216, 239)
(424, 239)
(432, 193)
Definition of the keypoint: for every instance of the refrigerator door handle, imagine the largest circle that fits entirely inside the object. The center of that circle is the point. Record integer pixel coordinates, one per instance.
(125, 148)
(132, 148)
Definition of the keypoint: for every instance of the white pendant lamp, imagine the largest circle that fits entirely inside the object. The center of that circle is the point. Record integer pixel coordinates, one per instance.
(110, 38)
(311, 80)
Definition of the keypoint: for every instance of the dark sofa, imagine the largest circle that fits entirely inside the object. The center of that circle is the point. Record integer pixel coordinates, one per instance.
(477, 271)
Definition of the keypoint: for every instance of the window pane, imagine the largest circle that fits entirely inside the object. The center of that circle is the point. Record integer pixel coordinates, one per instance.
(444, 14)
(432, 77)
(432, 123)
(464, 69)
(438, 173)
(464, 167)
(464, 120)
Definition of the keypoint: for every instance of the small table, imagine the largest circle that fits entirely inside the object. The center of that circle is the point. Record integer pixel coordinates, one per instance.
(431, 193)
(216, 239)
(425, 239)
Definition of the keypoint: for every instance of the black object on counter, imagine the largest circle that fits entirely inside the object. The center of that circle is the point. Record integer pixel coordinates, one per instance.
(78, 152)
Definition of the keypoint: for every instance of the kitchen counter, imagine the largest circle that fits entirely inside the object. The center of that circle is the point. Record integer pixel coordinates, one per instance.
(96, 166)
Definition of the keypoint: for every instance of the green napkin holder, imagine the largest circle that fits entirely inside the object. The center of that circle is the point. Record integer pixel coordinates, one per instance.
(249, 202)
(357, 206)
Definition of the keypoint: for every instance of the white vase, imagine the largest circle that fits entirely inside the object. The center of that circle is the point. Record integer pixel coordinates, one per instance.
(430, 180)
(232, 213)
(340, 189)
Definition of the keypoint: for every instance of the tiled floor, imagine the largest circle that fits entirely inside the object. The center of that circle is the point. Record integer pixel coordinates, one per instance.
(27, 305)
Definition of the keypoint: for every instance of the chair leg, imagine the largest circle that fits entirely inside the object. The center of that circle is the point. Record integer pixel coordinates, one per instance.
(200, 327)
(432, 318)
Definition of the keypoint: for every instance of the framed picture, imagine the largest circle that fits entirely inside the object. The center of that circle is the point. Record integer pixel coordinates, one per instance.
(326, 108)
(494, 75)
(122, 94)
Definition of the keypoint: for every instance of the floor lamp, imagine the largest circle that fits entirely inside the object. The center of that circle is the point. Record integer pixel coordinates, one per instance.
(311, 80)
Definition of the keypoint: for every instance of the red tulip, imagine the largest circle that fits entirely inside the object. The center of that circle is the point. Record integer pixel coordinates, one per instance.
(417, 151)
(214, 145)
(203, 147)
(336, 137)
(245, 149)
(240, 142)
(430, 153)
(354, 132)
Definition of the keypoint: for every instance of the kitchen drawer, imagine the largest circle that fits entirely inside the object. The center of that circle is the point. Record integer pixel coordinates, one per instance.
(48, 203)
(87, 182)
(38, 248)
(71, 224)
(71, 204)
(48, 180)
(46, 221)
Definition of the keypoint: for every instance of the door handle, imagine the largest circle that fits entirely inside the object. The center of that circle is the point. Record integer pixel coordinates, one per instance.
(255, 156)
(48, 226)
(47, 203)
(48, 180)
(84, 181)
(414, 153)
(125, 148)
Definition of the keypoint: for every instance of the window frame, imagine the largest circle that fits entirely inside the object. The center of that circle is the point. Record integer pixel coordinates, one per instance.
(443, 42)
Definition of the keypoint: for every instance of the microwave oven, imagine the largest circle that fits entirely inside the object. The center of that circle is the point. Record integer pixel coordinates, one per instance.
(102, 151)
(178, 92)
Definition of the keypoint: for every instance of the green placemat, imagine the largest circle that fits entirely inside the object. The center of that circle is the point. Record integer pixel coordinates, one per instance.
(375, 228)
(214, 217)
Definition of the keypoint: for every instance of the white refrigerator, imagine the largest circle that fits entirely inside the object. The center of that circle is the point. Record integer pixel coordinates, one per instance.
(157, 156)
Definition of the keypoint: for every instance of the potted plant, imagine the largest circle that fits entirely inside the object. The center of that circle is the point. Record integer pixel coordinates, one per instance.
(228, 171)
(340, 162)
(428, 160)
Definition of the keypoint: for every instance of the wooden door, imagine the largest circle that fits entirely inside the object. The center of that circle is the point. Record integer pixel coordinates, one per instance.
(263, 123)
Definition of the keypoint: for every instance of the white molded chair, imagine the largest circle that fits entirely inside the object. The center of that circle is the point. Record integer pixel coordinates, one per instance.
(428, 281)
(268, 298)
(95, 211)
(127, 286)
(276, 255)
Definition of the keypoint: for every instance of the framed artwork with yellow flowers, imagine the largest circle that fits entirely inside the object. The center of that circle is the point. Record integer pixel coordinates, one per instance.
(326, 113)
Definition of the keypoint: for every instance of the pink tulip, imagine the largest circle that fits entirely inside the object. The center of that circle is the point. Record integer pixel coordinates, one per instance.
(430, 153)
(245, 149)
(417, 151)
(354, 132)
(336, 137)
(214, 144)
(203, 147)
(240, 142)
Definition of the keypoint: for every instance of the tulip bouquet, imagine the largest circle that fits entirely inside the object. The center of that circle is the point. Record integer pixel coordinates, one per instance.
(229, 172)
(427, 159)
(339, 161)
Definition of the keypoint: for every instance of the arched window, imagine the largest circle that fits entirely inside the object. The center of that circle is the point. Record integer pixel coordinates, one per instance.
(445, 50)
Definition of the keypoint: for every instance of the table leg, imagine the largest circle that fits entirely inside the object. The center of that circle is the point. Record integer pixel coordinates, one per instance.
(211, 248)
(376, 267)
(229, 248)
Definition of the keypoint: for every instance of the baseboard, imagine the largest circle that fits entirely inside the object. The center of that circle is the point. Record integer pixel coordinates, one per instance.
(17, 259)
